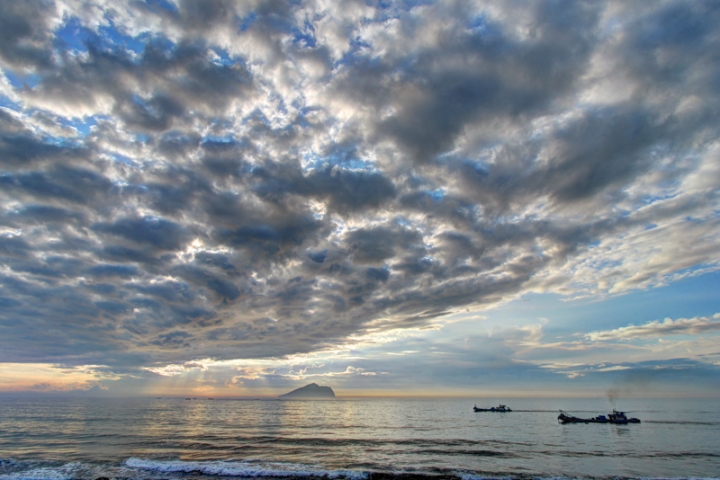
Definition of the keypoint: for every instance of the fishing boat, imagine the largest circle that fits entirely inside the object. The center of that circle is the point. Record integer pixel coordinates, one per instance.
(617, 418)
(499, 408)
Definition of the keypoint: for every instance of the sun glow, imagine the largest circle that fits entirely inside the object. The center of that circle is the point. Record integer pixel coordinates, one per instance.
(46, 377)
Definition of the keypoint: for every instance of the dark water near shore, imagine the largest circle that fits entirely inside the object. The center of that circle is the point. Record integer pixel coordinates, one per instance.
(63, 438)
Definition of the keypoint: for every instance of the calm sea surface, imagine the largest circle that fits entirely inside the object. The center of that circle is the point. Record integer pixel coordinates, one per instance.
(63, 438)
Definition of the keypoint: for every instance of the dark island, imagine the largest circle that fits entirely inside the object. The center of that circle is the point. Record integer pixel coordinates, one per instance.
(312, 391)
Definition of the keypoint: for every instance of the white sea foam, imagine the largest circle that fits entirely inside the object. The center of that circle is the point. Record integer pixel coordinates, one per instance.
(63, 472)
(471, 476)
(242, 469)
(247, 469)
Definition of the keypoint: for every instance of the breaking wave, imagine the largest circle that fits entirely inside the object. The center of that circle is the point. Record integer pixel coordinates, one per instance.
(147, 469)
(242, 469)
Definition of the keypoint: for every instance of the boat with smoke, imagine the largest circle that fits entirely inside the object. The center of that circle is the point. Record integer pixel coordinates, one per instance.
(617, 418)
(499, 408)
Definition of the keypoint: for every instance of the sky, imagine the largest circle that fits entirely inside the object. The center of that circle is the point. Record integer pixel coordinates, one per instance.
(476, 198)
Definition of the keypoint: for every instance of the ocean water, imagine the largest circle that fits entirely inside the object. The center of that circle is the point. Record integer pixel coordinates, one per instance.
(57, 438)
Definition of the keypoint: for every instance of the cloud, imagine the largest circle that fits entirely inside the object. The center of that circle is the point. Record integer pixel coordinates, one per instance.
(681, 326)
(174, 370)
(259, 180)
(26, 40)
(303, 373)
(46, 378)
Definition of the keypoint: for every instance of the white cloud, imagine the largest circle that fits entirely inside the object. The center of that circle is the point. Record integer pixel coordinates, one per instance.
(681, 326)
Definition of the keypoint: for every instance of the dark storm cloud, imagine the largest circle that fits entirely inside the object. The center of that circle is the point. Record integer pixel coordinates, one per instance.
(25, 39)
(343, 190)
(12, 246)
(150, 93)
(225, 179)
(224, 289)
(378, 244)
(674, 29)
(479, 75)
(21, 150)
(64, 184)
(349, 190)
(155, 113)
(106, 270)
(152, 231)
(121, 253)
(617, 146)
(262, 240)
(44, 214)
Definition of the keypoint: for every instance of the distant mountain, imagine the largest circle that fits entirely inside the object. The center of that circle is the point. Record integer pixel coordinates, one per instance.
(309, 391)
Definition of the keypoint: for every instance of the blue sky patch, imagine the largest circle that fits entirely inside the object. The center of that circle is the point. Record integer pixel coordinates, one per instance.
(163, 4)
(28, 80)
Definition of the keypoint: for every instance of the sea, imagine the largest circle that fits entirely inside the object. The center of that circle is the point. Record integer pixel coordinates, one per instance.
(63, 438)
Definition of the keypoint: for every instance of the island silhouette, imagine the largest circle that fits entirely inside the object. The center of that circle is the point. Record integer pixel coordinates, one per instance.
(312, 390)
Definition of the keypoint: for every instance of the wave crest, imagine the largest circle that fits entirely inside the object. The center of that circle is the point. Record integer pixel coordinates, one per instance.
(242, 469)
